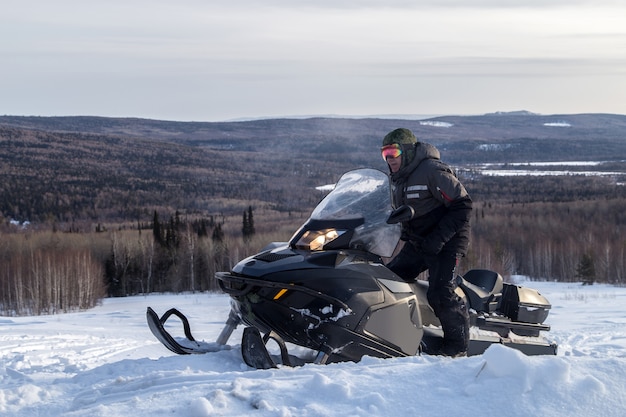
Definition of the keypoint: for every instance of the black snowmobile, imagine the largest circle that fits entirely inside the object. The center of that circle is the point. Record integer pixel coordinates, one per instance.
(328, 292)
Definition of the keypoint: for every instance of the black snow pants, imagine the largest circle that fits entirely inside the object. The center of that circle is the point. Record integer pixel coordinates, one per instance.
(446, 304)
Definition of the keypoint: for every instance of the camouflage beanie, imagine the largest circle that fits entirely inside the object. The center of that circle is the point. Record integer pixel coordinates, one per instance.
(405, 138)
(400, 136)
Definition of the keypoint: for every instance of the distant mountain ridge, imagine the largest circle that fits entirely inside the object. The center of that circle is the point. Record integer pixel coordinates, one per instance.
(490, 127)
(528, 136)
(87, 167)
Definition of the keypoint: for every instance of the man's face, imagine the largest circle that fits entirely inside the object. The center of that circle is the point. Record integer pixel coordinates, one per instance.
(393, 155)
(394, 163)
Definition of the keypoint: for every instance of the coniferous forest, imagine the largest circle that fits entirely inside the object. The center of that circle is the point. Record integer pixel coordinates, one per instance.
(97, 207)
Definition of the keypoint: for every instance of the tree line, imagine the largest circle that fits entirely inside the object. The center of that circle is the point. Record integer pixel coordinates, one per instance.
(563, 241)
(47, 272)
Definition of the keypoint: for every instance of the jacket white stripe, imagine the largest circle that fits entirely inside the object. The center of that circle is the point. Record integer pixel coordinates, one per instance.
(419, 187)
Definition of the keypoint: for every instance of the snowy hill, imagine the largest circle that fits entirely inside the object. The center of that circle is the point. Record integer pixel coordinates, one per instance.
(105, 362)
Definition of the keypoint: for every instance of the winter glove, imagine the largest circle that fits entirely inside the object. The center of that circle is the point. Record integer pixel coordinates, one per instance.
(401, 214)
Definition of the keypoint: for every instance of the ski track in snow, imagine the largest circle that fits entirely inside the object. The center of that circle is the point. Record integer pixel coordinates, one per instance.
(105, 362)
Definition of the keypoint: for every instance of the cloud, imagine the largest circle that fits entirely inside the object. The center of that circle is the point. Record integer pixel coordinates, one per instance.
(247, 58)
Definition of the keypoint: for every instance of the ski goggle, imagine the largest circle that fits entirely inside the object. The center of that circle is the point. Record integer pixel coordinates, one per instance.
(394, 150)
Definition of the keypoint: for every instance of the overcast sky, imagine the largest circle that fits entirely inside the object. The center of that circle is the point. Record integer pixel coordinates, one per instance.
(207, 60)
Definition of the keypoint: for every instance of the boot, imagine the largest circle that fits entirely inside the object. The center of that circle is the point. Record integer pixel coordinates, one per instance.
(451, 350)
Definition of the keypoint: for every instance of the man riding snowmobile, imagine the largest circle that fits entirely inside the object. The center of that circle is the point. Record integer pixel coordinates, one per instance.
(328, 292)
(436, 212)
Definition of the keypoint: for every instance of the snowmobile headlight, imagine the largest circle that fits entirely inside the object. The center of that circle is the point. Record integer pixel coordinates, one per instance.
(316, 239)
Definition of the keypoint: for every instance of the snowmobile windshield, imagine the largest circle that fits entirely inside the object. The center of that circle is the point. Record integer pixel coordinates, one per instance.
(363, 193)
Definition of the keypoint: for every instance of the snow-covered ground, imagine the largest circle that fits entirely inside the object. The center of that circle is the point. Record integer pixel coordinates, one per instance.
(105, 362)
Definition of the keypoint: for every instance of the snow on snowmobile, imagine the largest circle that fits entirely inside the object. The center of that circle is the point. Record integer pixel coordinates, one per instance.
(327, 291)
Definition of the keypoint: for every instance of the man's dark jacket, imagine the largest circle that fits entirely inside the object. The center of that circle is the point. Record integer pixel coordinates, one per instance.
(442, 205)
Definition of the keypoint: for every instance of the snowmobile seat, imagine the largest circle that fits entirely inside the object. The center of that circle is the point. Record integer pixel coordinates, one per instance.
(483, 288)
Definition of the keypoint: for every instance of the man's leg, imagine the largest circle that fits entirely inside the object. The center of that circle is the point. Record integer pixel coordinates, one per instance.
(407, 264)
(448, 306)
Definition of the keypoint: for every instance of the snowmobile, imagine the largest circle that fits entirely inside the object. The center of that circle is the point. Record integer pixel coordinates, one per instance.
(327, 291)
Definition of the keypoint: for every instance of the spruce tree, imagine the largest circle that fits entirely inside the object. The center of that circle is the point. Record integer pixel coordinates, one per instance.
(218, 234)
(251, 230)
(585, 270)
(247, 228)
(156, 228)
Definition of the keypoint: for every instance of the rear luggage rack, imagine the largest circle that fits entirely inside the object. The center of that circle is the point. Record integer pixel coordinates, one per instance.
(503, 326)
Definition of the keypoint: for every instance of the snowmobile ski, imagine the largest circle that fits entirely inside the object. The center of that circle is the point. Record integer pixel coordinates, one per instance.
(187, 345)
(255, 354)
(253, 350)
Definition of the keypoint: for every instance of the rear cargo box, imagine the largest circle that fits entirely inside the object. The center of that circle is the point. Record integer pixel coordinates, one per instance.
(524, 304)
